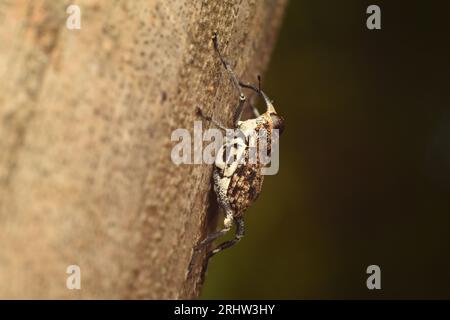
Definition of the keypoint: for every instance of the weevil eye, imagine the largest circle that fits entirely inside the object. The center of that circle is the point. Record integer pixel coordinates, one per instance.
(278, 122)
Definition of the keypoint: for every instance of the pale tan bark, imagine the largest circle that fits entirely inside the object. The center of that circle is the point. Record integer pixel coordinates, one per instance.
(85, 122)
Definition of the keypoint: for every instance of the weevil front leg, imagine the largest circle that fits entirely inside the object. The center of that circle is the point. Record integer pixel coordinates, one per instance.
(210, 119)
(238, 113)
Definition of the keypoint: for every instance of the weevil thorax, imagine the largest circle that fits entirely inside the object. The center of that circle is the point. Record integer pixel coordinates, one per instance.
(246, 130)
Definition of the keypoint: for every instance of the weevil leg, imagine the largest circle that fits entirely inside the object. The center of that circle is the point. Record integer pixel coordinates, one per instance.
(233, 76)
(267, 101)
(248, 86)
(228, 220)
(240, 231)
(257, 90)
(251, 86)
(211, 237)
(238, 113)
(210, 119)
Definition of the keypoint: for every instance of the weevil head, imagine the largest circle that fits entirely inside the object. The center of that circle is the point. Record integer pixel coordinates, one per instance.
(275, 120)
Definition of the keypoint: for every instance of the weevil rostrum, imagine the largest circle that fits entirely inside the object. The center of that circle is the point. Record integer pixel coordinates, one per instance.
(237, 184)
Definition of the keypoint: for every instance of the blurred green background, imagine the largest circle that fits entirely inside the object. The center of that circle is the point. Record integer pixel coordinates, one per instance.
(365, 160)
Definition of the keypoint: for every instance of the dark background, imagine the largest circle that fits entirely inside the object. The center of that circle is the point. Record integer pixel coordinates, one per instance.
(365, 159)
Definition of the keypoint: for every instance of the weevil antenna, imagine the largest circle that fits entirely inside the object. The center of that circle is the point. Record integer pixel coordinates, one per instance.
(270, 107)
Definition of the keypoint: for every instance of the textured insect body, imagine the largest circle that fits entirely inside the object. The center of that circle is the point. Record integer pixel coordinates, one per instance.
(237, 173)
(238, 178)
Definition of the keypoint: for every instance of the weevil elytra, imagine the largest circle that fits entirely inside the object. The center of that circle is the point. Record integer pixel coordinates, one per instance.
(237, 184)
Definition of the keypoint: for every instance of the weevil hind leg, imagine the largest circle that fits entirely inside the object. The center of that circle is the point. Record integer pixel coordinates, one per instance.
(215, 235)
(209, 239)
(227, 222)
(240, 231)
